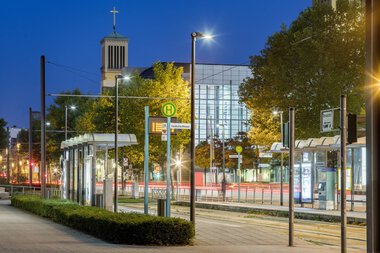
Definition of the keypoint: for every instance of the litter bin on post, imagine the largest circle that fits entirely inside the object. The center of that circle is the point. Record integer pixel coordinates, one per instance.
(198, 194)
(99, 200)
(161, 207)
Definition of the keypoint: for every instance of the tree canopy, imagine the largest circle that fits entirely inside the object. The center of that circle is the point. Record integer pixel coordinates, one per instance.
(167, 83)
(308, 66)
(3, 134)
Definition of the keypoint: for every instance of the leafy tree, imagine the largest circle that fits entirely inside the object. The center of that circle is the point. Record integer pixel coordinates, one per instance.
(3, 134)
(56, 116)
(167, 83)
(308, 66)
(202, 152)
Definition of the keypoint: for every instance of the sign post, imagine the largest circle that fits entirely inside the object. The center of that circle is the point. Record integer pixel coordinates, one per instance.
(146, 160)
(168, 109)
(239, 149)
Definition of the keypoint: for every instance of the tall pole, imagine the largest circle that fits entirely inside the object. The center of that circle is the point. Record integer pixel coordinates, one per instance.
(65, 122)
(168, 172)
(192, 136)
(8, 156)
(343, 139)
(223, 166)
(116, 142)
(352, 178)
(239, 177)
(146, 160)
(43, 130)
(30, 146)
(211, 147)
(373, 123)
(282, 164)
(291, 176)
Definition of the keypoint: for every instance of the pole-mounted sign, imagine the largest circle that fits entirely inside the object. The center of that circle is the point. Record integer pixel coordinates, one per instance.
(239, 149)
(168, 109)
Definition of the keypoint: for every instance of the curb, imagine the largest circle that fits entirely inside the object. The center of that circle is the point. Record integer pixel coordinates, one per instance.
(277, 213)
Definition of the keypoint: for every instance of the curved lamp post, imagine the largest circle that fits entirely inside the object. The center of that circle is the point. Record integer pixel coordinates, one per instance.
(194, 37)
(117, 78)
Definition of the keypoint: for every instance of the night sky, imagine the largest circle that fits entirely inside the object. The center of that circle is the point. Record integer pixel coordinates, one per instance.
(68, 33)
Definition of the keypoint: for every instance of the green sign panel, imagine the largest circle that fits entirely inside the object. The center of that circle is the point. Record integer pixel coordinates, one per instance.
(168, 109)
(239, 149)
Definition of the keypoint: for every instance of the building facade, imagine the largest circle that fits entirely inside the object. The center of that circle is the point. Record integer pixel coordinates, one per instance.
(217, 108)
(218, 111)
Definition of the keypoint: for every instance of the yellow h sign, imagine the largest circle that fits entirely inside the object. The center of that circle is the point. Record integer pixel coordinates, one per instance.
(168, 109)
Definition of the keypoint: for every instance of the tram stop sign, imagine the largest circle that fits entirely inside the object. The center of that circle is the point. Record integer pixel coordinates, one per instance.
(168, 109)
(239, 149)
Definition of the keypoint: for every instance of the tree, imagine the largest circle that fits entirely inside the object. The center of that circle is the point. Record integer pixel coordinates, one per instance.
(202, 152)
(167, 83)
(3, 134)
(308, 66)
(56, 116)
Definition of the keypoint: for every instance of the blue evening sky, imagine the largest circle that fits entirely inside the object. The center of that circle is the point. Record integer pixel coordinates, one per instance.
(68, 33)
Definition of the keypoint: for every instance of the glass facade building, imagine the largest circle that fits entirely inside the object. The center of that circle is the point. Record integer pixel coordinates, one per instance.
(217, 103)
(216, 98)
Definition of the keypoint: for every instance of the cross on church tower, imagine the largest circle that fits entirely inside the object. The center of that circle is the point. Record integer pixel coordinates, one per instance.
(114, 55)
(114, 12)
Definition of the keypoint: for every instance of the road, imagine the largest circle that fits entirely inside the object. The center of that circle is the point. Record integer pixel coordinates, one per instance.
(214, 227)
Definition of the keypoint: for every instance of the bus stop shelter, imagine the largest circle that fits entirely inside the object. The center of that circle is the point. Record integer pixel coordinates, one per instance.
(85, 164)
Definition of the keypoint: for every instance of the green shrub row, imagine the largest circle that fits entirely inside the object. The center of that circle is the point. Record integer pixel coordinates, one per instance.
(123, 228)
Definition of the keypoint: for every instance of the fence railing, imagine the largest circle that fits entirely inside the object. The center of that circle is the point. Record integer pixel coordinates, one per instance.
(30, 190)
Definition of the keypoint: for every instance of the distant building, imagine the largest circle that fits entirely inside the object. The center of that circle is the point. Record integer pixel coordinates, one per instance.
(217, 103)
(332, 3)
(217, 106)
(114, 49)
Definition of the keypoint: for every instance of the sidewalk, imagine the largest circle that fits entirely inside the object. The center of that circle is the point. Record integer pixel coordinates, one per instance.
(299, 212)
(23, 232)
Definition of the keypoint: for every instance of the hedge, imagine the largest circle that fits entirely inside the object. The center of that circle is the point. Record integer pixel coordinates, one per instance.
(123, 228)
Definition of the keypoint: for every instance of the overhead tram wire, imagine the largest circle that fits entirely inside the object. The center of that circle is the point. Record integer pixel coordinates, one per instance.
(72, 69)
(247, 62)
(106, 96)
(75, 71)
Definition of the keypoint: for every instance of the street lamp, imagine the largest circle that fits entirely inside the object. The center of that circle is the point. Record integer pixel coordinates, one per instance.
(223, 164)
(117, 78)
(194, 36)
(282, 158)
(72, 108)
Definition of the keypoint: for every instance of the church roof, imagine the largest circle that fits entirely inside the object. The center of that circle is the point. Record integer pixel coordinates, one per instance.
(115, 35)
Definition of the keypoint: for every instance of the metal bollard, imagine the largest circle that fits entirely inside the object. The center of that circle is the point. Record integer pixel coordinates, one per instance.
(254, 194)
(262, 195)
(271, 195)
(232, 195)
(246, 194)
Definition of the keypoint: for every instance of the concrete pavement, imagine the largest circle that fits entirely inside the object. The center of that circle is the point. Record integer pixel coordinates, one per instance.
(24, 232)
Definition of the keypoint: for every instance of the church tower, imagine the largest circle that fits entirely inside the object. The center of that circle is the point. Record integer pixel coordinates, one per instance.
(114, 55)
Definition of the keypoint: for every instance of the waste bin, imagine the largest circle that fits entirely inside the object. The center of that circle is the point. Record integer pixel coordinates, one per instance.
(161, 207)
(198, 194)
(99, 200)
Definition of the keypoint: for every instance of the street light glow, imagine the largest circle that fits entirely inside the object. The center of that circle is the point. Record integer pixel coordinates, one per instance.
(178, 163)
(73, 107)
(208, 36)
